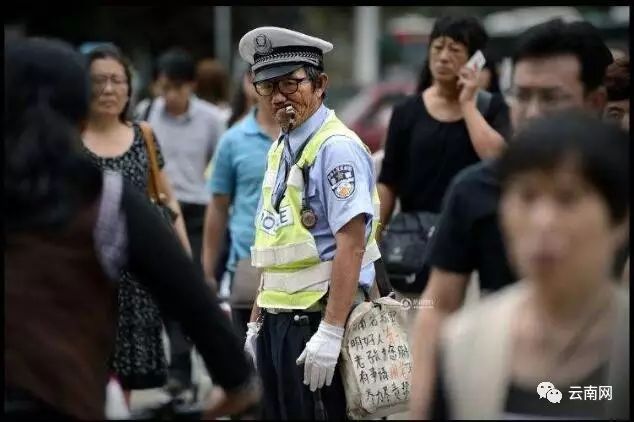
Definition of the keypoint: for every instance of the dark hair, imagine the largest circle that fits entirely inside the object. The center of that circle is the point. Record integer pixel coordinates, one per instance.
(491, 64)
(239, 102)
(46, 99)
(110, 51)
(313, 73)
(464, 29)
(212, 81)
(600, 150)
(617, 80)
(177, 65)
(556, 37)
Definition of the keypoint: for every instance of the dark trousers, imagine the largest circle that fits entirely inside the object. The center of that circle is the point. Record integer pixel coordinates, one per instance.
(194, 217)
(223, 257)
(180, 346)
(240, 318)
(279, 344)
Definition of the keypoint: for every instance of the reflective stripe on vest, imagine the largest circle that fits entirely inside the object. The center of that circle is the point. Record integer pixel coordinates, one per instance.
(283, 254)
(292, 282)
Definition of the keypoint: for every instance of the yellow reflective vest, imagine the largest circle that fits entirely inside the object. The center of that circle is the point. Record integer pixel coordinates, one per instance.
(293, 276)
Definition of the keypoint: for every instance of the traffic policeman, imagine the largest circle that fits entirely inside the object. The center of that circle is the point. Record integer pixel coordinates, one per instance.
(315, 230)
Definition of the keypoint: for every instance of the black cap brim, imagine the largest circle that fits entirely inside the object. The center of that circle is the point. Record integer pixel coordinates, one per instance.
(275, 71)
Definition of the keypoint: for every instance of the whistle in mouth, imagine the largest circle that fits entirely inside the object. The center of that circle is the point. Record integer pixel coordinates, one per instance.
(290, 114)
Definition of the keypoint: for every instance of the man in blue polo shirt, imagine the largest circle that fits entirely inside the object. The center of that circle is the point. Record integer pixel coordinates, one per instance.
(236, 180)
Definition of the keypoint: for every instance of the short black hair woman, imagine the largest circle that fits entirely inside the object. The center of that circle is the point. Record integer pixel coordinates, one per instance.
(69, 231)
(443, 128)
(564, 326)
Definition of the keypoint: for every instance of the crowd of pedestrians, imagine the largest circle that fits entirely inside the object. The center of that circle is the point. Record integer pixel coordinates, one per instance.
(130, 223)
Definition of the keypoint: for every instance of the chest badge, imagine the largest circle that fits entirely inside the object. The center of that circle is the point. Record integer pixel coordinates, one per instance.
(308, 218)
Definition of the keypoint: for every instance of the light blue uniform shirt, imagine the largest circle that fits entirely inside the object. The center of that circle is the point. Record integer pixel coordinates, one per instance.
(238, 170)
(332, 211)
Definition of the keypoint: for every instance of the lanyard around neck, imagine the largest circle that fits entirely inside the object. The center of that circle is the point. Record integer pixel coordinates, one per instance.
(305, 168)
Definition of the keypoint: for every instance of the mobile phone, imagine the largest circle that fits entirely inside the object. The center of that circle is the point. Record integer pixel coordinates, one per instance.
(477, 61)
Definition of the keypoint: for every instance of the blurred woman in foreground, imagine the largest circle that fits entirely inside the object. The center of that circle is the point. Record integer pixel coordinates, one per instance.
(69, 230)
(522, 352)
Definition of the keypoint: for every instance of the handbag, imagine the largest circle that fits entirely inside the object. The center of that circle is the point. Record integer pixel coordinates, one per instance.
(375, 360)
(155, 188)
(404, 249)
(244, 286)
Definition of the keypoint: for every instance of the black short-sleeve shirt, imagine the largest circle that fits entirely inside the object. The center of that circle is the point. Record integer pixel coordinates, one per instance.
(468, 236)
(423, 154)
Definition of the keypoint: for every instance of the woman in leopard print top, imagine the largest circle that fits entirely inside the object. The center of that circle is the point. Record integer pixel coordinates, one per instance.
(113, 143)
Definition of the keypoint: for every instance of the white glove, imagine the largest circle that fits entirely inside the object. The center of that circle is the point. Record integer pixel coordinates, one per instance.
(250, 343)
(320, 355)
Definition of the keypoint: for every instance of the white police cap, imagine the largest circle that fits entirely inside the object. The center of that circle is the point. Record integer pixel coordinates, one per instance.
(274, 52)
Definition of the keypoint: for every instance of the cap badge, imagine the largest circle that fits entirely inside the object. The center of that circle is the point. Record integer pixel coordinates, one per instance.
(262, 44)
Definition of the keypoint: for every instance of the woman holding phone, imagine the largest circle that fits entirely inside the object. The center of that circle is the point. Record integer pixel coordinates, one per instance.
(444, 127)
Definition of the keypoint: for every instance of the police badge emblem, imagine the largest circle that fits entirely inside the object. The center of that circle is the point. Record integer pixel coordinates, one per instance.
(308, 218)
(341, 180)
(262, 44)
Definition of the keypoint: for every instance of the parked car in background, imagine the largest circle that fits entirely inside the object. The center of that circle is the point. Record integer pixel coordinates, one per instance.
(368, 113)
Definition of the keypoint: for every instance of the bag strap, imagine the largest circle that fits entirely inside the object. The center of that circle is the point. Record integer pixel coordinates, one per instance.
(146, 115)
(483, 101)
(154, 187)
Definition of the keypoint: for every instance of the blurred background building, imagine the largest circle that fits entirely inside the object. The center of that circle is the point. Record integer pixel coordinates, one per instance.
(378, 49)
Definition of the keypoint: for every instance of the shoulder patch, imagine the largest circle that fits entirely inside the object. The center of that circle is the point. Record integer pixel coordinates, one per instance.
(341, 180)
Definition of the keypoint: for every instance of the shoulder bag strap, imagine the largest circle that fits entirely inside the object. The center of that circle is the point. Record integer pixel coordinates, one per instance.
(155, 190)
(146, 115)
(483, 101)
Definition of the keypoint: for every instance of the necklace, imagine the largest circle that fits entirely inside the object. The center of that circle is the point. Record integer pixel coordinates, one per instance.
(547, 351)
(571, 346)
(577, 339)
